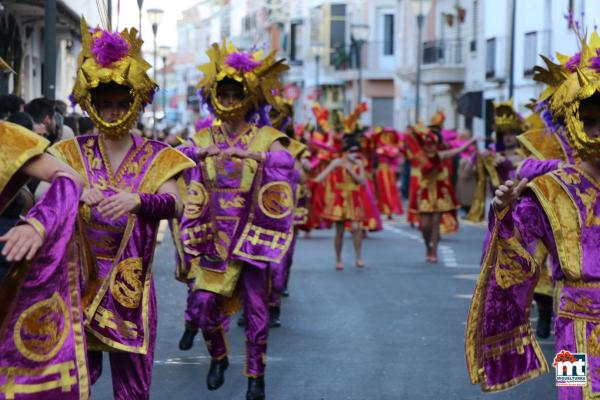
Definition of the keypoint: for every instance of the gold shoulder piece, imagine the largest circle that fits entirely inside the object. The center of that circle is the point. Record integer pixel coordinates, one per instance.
(17, 146)
(166, 165)
(296, 148)
(266, 136)
(69, 152)
(202, 138)
(542, 145)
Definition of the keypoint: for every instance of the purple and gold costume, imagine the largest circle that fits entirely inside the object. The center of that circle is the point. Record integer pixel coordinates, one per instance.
(120, 302)
(42, 344)
(237, 220)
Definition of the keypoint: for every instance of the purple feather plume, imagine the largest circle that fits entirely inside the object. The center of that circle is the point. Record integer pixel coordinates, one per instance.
(552, 126)
(242, 61)
(109, 47)
(595, 62)
(573, 62)
(204, 123)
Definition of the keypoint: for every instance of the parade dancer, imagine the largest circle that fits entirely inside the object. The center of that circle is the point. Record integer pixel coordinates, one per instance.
(280, 273)
(556, 210)
(131, 182)
(43, 281)
(435, 194)
(389, 158)
(239, 208)
(343, 203)
(501, 163)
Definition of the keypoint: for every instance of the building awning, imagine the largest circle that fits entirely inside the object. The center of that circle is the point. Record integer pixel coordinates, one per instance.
(470, 104)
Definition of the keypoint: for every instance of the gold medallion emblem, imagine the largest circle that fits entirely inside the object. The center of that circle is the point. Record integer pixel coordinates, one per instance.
(196, 200)
(42, 329)
(126, 283)
(276, 200)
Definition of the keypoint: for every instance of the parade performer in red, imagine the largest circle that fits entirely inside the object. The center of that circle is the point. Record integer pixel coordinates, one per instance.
(343, 203)
(351, 125)
(389, 158)
(435, 194)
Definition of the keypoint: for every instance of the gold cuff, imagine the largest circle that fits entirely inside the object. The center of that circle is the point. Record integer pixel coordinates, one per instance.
(37, 226)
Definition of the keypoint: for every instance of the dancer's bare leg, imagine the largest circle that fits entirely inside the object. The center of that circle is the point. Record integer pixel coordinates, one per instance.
(426, 222)
(357, 237)
(338, 242)
(435, 235)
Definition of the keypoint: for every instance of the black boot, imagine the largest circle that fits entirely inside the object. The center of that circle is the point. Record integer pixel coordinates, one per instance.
(241, 320)
(216, 373)
(256, 389)
(187, 340)
(543, 323)
(274, 313)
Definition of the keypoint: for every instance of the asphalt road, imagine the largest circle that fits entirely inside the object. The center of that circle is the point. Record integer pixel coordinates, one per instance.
(394, 330)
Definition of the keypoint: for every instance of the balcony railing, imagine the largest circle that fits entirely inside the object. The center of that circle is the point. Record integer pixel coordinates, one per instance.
(374, 55)
(446, 52)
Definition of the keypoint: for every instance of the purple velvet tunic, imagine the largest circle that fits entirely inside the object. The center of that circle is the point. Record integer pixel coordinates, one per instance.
(560, 213)
(42, 347)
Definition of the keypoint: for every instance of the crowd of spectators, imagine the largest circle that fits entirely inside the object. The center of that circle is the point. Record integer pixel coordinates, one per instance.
(48, 118)
(51, 119)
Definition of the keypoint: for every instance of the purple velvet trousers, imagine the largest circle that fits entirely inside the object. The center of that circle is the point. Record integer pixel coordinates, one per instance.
(204, 312)
(131, 372)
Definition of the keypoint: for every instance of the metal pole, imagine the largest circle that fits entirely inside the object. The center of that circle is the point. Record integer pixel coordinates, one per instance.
(318, 63)
(359, 62)
(420, 21)
(140, 3)
(154, 132)
(511, 78)
(109, 11)
(164, 91)
(49, 89)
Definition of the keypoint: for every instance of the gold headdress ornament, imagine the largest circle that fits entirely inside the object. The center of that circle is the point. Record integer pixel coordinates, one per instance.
(259, 76)
(437, 120)
(112, 57)
(322, 116)
(350, 123)
(282, 110)
(568, 83)
(506, 118)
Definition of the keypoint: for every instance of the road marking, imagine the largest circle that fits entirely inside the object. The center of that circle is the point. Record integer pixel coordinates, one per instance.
(464, 296)
(205, 360)
(469, 277)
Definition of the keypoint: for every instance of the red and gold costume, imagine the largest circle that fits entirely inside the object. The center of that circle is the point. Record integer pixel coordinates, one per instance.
(389, 156)
(435, 193)
(343, 200)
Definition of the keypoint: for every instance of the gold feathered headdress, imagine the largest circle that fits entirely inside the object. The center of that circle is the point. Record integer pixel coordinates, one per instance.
(506, 118)
(112, 57)
(282, 113)
(259, 76)
(568, 83)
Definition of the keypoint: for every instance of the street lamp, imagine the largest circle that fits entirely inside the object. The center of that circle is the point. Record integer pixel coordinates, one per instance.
(420, 9)
(140, 3)
(155, 16)
(164, 51)
(359, 34)
(317, 50)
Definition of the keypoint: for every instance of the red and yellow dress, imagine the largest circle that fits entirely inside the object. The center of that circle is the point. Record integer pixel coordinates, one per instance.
(435, 193)
(389, 157)
(372, 221)
(321, 155)
(343, 200)
(411, 151)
